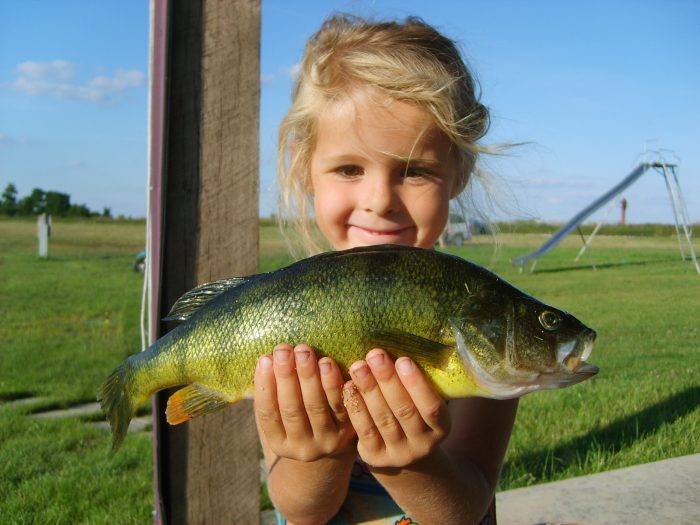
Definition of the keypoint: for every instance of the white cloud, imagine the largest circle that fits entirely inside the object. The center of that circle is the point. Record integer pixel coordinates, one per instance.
(266, 78)
(61, 70)
(57, 79)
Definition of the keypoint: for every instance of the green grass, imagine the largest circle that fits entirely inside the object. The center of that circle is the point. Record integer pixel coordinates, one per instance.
(69, 319)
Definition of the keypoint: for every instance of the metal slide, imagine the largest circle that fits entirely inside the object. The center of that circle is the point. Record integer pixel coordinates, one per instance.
(583, 215)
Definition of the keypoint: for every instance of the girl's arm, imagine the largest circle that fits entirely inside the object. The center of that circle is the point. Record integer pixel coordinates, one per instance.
(401, 423)
(308, 441)
(309, 492)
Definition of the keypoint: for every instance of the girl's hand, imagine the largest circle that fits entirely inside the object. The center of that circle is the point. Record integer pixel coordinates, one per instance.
(299, 406)
(397, 415)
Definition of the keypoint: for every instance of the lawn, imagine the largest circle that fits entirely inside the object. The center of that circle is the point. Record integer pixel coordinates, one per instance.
(69, 319)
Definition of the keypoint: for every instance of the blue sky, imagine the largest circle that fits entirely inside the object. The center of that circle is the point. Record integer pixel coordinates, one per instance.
(586, 85)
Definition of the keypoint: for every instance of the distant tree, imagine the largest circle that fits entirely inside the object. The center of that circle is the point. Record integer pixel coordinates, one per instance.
(57, 203)
(24, 206)
(32, 204)
(8, 204)
(40, 201)
(38, 197)
(79, 210)
(107, 213)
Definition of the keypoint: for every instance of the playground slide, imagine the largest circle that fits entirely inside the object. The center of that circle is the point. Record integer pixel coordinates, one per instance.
(582, 216)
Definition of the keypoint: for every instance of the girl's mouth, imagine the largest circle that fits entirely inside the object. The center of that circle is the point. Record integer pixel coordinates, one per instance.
(379, 234)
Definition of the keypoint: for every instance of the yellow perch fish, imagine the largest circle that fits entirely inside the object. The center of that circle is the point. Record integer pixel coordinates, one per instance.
(471, 332)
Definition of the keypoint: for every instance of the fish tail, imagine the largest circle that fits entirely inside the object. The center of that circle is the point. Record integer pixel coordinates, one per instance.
(118, 402)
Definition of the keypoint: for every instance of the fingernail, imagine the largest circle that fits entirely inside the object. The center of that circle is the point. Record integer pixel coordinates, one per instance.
(376, 360)
(359, 370)
(404, 365)
(265, 362)
(302, 356)
(325, 367)
(281, 355)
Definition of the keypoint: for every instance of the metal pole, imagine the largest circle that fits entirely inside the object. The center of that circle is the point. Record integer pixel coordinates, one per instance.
(679, 212)
(674, 208)
(588, 241)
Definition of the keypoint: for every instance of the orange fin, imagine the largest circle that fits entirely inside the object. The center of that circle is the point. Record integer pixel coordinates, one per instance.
(194, 400)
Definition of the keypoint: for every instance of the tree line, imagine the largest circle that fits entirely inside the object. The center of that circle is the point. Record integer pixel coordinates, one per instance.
(39, 201)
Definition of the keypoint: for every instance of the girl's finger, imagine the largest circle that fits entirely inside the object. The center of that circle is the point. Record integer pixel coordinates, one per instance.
(382, 415)
(265, 402)
(332, 382)
(289, 396)
(370, 441)
(313, 394)
(430, 405)
(394, 393)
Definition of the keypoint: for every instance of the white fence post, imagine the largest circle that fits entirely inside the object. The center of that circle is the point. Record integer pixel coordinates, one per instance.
(43, 227)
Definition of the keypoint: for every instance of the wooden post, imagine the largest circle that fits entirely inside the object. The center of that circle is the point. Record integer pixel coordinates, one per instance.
(207, 470)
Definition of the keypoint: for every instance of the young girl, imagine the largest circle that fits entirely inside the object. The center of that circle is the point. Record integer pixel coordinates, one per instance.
(381, 135)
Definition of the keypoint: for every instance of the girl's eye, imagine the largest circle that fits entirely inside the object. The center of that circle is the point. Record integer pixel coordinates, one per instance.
(414, 172)
(349, 171)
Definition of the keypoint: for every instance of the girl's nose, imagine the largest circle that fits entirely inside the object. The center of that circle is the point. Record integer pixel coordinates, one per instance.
(381, 197)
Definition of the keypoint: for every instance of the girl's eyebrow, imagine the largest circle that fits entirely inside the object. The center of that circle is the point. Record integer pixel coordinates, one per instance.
(340, 159)
(403, 159)
(431, 161)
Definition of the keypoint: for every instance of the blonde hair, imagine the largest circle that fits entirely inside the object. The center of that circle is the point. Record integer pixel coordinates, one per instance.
(408, 61)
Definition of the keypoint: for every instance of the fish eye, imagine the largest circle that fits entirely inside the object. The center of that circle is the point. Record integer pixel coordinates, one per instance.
(549, 320)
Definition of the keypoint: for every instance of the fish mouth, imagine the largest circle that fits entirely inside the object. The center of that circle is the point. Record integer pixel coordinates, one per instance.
(572, 366)
(572, 354)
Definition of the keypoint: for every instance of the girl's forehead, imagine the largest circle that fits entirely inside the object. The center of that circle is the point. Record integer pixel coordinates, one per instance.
(384, 127)
(367, 108)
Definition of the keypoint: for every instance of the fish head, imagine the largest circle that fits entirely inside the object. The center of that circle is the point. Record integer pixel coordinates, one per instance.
(513, 344)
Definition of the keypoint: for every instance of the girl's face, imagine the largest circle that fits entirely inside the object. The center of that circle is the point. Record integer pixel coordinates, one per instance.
(381, 174)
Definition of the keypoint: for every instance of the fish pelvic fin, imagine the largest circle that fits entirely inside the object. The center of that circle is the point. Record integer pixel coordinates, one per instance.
(117, 401)
(425, 352)
(194, 400)
(202, 295)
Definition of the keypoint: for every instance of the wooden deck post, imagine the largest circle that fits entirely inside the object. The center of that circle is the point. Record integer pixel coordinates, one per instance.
(206, 152)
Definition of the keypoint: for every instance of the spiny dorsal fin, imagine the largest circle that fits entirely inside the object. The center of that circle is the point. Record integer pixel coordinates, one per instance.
(425, 352)
(201, 295)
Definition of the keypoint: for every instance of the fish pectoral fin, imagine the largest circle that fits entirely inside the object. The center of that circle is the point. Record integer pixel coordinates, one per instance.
(194, 400)
(423, 351)
(201, 295)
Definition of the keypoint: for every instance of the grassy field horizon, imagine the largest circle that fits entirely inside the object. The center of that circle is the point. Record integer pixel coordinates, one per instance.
(69, 319)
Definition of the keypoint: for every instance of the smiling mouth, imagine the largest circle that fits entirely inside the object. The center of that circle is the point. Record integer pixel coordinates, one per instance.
(380, 233)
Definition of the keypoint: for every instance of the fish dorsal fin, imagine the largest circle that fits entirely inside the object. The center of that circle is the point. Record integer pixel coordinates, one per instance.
(425, 352)
(203, 294)
(194, 400)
